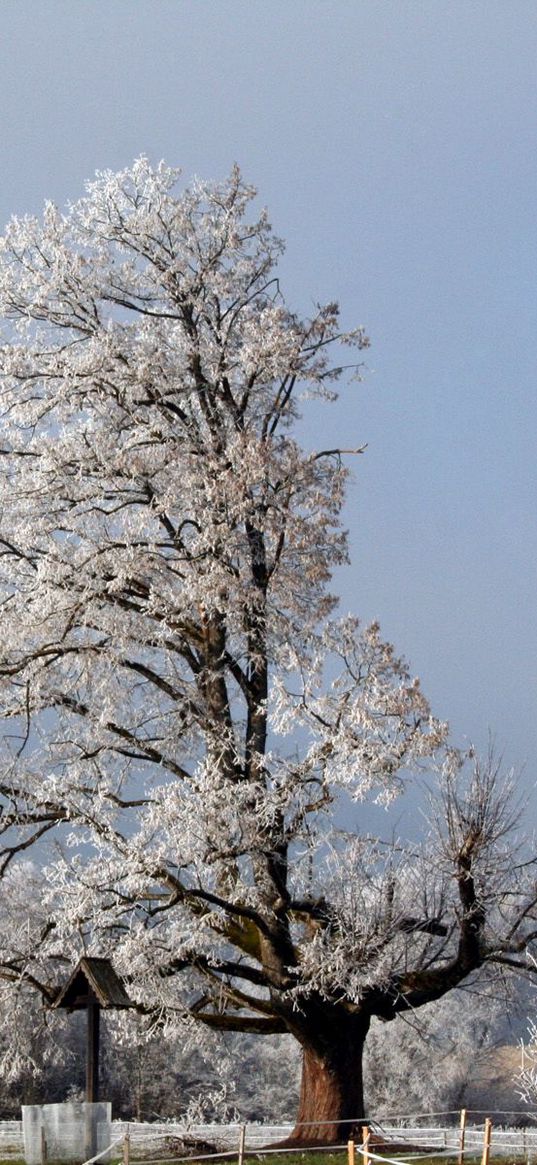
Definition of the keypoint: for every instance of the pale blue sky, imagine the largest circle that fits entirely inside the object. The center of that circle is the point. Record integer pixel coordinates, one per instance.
(394, 142)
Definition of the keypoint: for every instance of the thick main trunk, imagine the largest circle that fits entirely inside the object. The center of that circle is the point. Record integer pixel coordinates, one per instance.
(332, 1092)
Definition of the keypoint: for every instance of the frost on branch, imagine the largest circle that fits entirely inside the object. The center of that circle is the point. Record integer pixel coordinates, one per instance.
(183, 714)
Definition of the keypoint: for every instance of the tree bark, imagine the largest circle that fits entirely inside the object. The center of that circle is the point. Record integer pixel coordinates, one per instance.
(331, 1092)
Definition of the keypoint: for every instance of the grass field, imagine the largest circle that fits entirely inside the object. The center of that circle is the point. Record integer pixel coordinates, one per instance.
(308, 1157)
(328, 1157)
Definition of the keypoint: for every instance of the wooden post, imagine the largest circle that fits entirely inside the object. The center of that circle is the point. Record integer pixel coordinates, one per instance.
(92, 1053)
(127, 1148)
(462, 1136)
(487, 1137)
(351, 1156)
(242, 1141)
(366, 1133)
(43, 1147)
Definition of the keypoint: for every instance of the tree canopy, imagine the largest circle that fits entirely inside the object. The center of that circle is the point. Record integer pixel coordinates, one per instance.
(183, 709)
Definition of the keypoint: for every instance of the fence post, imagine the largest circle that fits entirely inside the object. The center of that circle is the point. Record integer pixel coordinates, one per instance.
(351, 1156)
(487, 1137)
(366, 1133)
(43, 1147)
(242, 1139)
(127, 1147)
(462, 1136)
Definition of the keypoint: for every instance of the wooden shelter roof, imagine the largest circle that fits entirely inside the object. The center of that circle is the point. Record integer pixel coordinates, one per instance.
(93, 980)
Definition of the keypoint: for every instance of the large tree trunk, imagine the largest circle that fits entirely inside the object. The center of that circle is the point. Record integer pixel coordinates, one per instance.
(331, 1093)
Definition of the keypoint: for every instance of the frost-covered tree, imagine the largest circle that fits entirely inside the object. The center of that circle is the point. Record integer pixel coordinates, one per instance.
(183, 710)
(451, 1054)
(526, 1077)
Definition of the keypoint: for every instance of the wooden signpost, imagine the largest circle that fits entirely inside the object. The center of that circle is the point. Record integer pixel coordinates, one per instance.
(93, 985)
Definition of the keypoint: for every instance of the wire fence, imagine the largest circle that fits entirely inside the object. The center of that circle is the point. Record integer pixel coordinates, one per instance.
(458, 1134)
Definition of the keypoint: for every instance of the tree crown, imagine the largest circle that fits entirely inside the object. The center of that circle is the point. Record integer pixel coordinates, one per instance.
(178, 694)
